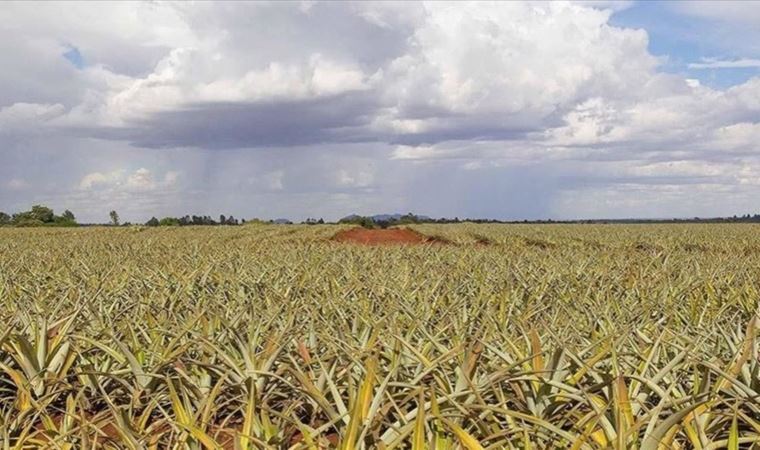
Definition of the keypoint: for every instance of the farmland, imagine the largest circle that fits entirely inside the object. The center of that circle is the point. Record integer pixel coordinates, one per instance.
(485, 336)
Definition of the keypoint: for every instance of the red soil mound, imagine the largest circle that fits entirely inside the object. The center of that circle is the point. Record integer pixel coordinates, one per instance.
(380, 237)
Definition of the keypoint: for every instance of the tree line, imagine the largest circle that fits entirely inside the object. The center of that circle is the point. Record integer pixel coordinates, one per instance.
(385, 221)
(192, 220)
(38, 216)
(43, 216)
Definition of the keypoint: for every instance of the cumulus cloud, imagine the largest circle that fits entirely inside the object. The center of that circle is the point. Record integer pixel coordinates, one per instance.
(95, 179)
(141, 179)
(369, 104)
(449, 72)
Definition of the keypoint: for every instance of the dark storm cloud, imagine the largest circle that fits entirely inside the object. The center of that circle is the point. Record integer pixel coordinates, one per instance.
(336, 119)
(249, 125)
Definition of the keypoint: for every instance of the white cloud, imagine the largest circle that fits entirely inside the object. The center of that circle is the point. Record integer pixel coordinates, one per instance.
(141, 179)
(318, 78)
(714, 63)
(614, 5)
(96, 179)
(415, 152)
(739, 137)
(354, 178)
(678, 169)
(511, 65)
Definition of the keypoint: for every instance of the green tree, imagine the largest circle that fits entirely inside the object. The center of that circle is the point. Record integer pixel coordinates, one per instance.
(114, 218)
(5, 219)
(42, 213)
(362, 221)
(153, 222)
(38, 215)
(169, 222)
(68, 216)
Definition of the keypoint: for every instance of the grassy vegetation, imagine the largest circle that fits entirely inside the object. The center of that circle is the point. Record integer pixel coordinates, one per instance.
(563, 336)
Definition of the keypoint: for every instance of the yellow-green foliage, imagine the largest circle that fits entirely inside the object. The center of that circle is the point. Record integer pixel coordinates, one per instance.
(536, 337)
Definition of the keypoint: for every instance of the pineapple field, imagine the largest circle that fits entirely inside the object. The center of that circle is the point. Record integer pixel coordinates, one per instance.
(479, 336)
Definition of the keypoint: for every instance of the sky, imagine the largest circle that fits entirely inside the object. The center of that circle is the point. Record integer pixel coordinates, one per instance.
(501, 110)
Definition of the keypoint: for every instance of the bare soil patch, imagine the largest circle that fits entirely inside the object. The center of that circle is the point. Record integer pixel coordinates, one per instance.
(388, 236)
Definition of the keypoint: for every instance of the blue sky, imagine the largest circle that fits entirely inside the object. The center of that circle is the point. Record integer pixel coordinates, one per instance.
(504, 110)
(74, 56)
(682, 39)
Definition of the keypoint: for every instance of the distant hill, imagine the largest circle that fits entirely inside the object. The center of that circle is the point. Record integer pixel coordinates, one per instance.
(350, 218)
